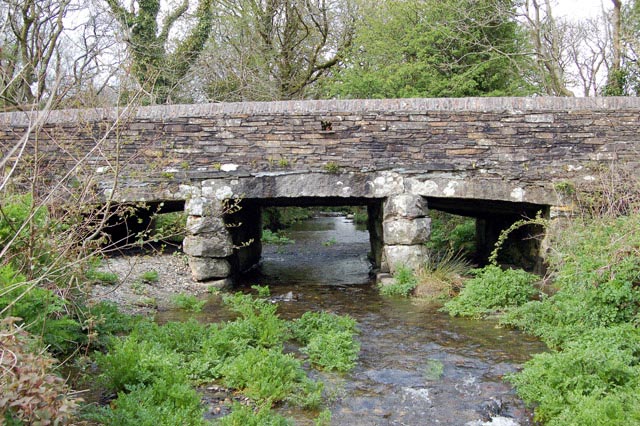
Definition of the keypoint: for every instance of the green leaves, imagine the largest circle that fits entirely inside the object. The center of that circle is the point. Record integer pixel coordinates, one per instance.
(491, 290)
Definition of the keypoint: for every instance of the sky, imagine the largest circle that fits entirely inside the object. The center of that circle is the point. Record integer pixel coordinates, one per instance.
(579, 9)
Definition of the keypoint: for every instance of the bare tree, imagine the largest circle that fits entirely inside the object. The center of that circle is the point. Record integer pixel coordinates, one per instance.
(273, 49)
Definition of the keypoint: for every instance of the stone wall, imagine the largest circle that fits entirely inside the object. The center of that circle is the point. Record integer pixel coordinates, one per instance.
(529, 140)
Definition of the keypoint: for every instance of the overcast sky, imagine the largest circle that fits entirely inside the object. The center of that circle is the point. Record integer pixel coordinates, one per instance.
(580, 8)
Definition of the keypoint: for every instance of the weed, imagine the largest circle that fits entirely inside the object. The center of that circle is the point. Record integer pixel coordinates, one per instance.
(330, 242)
(332, 167)
(269, 237)
(433, 370)
(405, 281)
(188, 302)
(150, 276)
(242, 415)
(265, 375)
(102, 277)
(491, 290)
(441, 276)
(283, 163)
(138, 287)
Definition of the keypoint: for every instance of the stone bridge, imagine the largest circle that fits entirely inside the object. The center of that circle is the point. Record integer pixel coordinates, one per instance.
(495, 159)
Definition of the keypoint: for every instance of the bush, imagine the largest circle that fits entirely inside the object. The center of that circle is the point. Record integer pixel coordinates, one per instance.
(404, 283)
(242, 415)
(492, 290)
(29, 392)
(268, 375)
(328, 339)
(188, 302)
(593, 381)
(277, 238)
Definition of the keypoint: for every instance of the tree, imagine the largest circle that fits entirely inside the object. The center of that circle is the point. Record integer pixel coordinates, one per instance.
(272, 49)
(434, 49)
(158, 61)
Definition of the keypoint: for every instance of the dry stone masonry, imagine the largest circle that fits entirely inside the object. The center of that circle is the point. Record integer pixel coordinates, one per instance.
(475, 156)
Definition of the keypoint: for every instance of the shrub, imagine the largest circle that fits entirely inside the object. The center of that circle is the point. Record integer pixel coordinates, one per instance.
(169, 227)
(242, 415)
(594, 380)
(328, 339)
(267, 375)
(270, 237)
(188, 302)
(29, 392)
(404, 282)
(491, 290)
(150, 276)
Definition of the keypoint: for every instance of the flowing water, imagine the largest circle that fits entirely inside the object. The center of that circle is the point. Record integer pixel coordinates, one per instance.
(417, 366)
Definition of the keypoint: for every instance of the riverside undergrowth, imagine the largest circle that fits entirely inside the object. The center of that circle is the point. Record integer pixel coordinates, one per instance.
(589, 320)
(154, 369)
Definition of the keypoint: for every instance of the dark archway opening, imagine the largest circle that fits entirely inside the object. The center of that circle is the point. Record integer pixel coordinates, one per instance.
(522, 247)
(325, 242)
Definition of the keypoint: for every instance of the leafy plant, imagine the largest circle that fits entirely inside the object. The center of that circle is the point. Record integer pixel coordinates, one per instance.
(270, 237)
(267, 375)
(491, 290)
(330, 242)
(332, 167)
(188, 302)
(102, 277)
(405, 281)
(29, 392)
(243, 415)
(150, 276)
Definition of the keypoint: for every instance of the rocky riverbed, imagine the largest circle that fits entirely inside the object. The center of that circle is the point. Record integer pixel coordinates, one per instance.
(136, 295)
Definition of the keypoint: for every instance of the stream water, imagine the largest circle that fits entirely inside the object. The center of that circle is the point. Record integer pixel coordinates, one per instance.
(417, 366)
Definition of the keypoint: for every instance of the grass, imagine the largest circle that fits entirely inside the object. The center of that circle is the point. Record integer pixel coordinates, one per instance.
(442, 275)
(150, 276)
(102, 277)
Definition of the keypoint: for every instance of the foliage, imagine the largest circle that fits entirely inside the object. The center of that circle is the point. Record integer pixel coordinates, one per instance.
(41, 311)
(158, 67)
(188, 302)
(492, 289)
(592, 381)
(150, 276)
(405, 281)
(277, 238)
(328, 339)
(268, 375)
(274, 218)
(160, 403)
(29, 392)
(169, 227)
(597, 270)
(332, 167)
(102, 277)
(243, 415)
(451, 233)
(433, 49)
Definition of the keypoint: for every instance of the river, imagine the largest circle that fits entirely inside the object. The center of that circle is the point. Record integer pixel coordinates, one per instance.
(417, 366)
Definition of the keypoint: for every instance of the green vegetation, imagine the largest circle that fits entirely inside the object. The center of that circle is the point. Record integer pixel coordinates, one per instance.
(169, 227)
(491, 290)
(277, 238)
(442, 275)
(102, 277)
(451, 233)
(150, 276)
(188, 302)
(332, 167)
(153, 369)
(405, 281)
